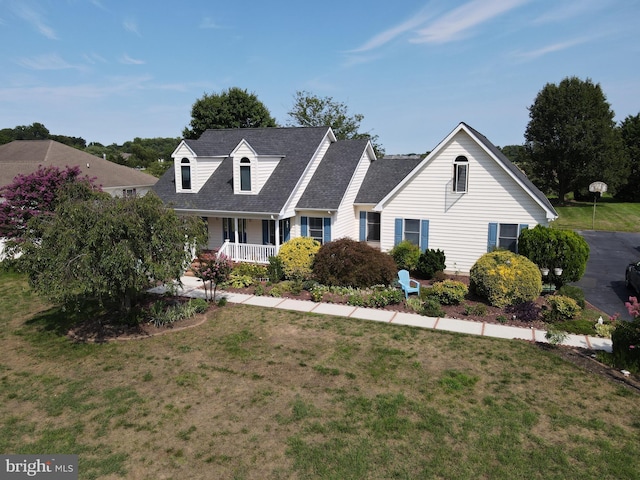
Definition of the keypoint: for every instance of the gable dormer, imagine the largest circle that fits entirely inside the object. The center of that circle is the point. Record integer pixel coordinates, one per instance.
(191, 171)
(250, 170)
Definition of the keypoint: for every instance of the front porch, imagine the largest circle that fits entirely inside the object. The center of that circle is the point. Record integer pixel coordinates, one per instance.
(248, 252)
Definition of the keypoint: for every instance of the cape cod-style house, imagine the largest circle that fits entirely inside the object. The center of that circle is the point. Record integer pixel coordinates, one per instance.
(257, 188)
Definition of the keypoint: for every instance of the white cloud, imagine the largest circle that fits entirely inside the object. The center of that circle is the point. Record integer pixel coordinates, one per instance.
(208, 23)
(456, 24)
(127, 60)
(563, 12)
(53, 61)
(130, 25)
(35, 19)
(555, 47)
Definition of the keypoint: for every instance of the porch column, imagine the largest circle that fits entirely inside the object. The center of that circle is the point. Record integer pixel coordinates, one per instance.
(235, 229)
(277, 234)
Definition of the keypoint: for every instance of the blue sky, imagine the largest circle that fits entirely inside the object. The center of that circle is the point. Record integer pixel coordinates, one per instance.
(112, 70)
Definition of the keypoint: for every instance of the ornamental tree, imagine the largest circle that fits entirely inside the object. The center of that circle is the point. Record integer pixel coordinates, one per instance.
(34, 194)
(213, 269)
(108, 249)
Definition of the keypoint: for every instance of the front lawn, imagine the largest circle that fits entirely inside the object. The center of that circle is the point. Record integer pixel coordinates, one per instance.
(257, 393)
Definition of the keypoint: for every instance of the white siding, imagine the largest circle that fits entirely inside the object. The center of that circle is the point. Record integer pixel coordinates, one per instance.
(458, 223)
(346, 220)
(254, 232)
(266, 166)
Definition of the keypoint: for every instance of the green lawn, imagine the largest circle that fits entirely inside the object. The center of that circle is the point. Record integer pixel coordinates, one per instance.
(258, 393)
(609, 216)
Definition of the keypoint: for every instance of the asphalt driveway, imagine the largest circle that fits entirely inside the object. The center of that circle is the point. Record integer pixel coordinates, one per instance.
(603, 281)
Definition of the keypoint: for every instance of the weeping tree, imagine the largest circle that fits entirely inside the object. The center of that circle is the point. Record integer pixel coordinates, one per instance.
(108, 250)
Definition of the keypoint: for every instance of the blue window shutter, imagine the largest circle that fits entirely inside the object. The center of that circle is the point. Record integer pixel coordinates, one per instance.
(493, 237)
(363, 226)
(265, 232)
(397, 238)
(327, 230)
(424, 235)
(304, 221)
(286, 224)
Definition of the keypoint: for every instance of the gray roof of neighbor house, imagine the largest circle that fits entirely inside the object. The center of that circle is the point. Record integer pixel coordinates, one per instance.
(296, 146)
(332, 177)
(25, 156)
(384, 175)
(513, 168)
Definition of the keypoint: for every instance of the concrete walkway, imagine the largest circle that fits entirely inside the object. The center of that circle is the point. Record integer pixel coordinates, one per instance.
(192, 288)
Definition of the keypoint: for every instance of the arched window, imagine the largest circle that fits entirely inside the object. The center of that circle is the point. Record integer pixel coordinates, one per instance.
(245, 175)
(460, 174)
(185, 172)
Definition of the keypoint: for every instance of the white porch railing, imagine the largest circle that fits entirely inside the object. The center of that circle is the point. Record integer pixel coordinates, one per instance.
(248, 252)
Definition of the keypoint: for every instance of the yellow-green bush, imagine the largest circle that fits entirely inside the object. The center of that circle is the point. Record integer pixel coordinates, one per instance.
(505, 278)
(297, 257)
(562, 308)
(449, 292)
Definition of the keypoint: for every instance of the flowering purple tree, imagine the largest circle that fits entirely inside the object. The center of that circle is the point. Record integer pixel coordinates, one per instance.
(31, 195)
(213, 269)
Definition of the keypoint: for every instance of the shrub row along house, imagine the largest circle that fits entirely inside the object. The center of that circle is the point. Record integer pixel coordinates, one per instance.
(257, 188)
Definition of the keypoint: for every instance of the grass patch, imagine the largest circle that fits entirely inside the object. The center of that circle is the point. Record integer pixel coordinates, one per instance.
(261, 393)
(610, 216)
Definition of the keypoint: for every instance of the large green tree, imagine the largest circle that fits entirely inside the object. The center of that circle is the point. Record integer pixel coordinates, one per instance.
(232, 108)
(630, 131)
(572, 140)
(110, 250)
(312, 111)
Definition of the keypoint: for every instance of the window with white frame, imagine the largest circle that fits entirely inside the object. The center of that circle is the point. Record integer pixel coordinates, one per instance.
(411, 231)
(245, 175)
(128, 192)
(508, 236)
(185, 173)
(460, 174)
(373, 226)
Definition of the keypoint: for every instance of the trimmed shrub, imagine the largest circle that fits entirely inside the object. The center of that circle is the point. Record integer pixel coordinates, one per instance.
(432, 308)
(505, 278)
(275, 270)
(551, 248)
(253, 270)
(348, 263)
(626, 345)
(406, 255)
(573, 292)
(449, 292)
(297, 256)
(562, 308)
(200, 305)
(430, 262)
(376, 297)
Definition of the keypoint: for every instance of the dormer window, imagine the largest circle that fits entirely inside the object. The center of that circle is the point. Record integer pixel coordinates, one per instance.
(185, 173)
(245, 175)
(460, 174)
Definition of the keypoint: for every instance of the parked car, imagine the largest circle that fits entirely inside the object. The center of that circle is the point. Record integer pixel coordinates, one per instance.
(632, 276)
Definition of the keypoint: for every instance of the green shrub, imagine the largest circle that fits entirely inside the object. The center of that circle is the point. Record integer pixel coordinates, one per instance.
(199, 304)
(253, 270)
(297, 256)
(551, 248)
(505, 278)
(430, 262)
(406, 255)
(281, 288)
(415, 304)
(239, 281)
(573, 292)
(275, 271)
(562, 308)
(432, 308)
(375, 297)
(449, 292)
(626, 345)
(349, 263)
(480, 309)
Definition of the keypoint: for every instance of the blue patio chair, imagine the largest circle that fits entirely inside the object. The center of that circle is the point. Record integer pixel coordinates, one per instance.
(408, 285)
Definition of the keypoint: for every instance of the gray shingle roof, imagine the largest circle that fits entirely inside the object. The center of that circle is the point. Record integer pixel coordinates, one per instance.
(383, 176)
(296, 146)
(331, 179)
(515, 170)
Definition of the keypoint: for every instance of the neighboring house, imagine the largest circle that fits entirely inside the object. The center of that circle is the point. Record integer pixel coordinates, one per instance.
(257, 188)
(25, 156)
